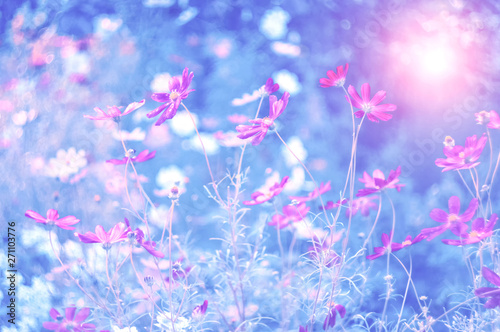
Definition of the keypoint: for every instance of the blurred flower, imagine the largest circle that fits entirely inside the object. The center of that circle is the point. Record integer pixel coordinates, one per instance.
(379, 183)
(331, 205)
(66, 163)
(493, 292)
(291, 213)
(178, 92)
(371, 108)
(323, 188)
(261, 126)
(259, 197)
(114, 112)
(321, 251)
(363, 204)
(303, 329)
(409, 241)
(71, 322)
(269, 88)
(330, 317)
(449, 141)
(478, 232)
(452, 220)
(53, 219)
(462, 157)
(199, 311)
(335, 79)
(116, 234)
(141, 157)
(137, 237)
(164, 322)
(490, 119)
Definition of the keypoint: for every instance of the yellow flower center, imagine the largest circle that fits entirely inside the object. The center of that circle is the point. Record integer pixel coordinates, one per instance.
(267, 121)
(473, 234)
(174, 95)
(406, 243)
(452, 218)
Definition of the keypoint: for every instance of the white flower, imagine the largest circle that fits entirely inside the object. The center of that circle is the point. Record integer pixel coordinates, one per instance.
(125, 329)
(164, 322)
(66, 163)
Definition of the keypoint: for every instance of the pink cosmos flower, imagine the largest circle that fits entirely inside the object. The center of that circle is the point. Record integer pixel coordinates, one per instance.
(261, 197)
(141, 157)
(53, 219)
(116, 234)
(291, 213)
(270, 87)
(452, 220)
(114, 112)
(71, 322)
(335, 79)
(330, 317)
(323, 188)
(261, 126)
(371, 108)
(331, 205)
(321, 250)
(179, 90)
(363, 204)
(490, 119)
(303, 329)
(462, 157)
(378, 182)
(150, 246)
(409, 241)
(478, 232)
(388, 247)
(492, 292)
(200, 310)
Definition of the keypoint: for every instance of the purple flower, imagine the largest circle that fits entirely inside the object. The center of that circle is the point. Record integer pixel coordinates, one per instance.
(478, 232)
(261, 126)
(409, 241)
(53, 219)
(150, 246)
(330, 317)
(492, 292)
(259, 197)
(200, 310)
(335, 79)
(371, 108)
(71, 322)
(114, 112)
(452, 220)
(321, 251)
(331, 205)
(141, 157)
(379, 183)
(388, 247)
(462, 157)
(270, 87)
(323, 188)
(303, 329)
(179, 90)
(291, 213)
(116, 234)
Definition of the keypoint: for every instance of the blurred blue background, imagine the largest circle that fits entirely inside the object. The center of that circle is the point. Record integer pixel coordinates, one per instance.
(438, 62)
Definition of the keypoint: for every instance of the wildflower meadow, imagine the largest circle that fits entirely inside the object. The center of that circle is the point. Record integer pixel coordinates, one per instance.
(235, 165)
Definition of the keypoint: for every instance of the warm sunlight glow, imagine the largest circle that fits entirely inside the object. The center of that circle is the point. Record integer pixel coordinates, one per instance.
(436, 62)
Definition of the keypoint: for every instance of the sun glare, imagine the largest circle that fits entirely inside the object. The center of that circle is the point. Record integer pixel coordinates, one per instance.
(436, 62)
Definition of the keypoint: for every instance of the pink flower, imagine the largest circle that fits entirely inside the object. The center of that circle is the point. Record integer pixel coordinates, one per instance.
(493, 292)
(53, 219)
(114, 112)
(462, 157)
(270, 87)
(330, 317)
(452, 220)
(150, 246)
(323, 188)
(409, 241)
(71, 322)
(388, 247)
(371, 108)
(331, 205)
(490, 119)
(141, 157)
(479, 232)
(200, 310)
(116, 234)
(261, 197)
(335, 79)
(179, 90)
(261, 126)
(291, 213)
(379, 183)
(363, 204)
